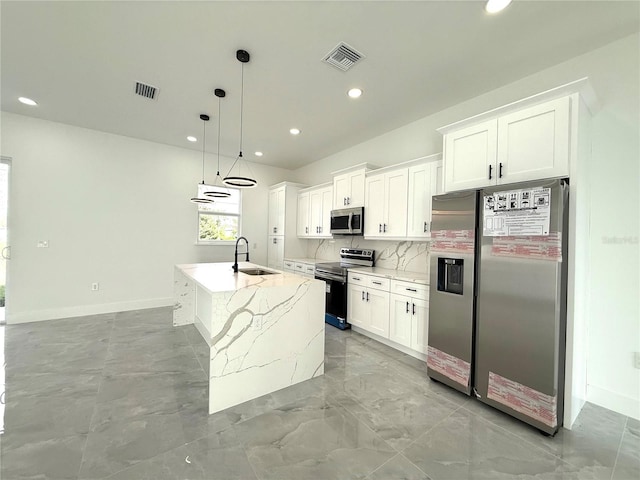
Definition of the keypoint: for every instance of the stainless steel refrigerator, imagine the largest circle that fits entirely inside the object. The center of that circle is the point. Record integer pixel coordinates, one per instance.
(497, 306)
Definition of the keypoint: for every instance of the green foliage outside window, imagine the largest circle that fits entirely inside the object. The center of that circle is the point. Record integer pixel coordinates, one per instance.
(214, 227)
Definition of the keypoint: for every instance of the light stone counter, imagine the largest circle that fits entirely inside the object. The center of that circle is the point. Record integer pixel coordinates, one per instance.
(416, 277)
(265, 332)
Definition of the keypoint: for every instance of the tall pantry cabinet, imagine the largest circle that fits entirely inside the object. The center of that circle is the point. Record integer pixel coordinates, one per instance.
(282, 239)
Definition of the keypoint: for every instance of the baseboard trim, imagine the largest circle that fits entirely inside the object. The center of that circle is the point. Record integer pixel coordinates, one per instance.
(614, 401)
(82, 310)
(389, 343)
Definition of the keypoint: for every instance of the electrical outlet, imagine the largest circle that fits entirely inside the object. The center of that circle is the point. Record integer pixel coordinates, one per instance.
(95, 287)
(636, 359)
(43, 244)
(255, 245)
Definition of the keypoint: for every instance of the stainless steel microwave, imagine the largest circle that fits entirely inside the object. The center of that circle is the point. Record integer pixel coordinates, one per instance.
(347, 221)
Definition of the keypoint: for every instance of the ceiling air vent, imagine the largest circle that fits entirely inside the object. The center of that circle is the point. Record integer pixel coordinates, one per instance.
(343, 57)
(147, 91)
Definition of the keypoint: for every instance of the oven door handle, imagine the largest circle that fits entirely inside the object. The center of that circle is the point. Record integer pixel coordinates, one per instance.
(330, 276)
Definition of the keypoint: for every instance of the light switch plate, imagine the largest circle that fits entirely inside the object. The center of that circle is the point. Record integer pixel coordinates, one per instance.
(636, 359)
(43, 243)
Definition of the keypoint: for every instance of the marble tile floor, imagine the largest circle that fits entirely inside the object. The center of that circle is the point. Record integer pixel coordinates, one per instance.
(124, 396)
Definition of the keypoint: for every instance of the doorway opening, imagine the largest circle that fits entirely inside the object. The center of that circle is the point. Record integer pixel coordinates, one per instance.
(5, 249)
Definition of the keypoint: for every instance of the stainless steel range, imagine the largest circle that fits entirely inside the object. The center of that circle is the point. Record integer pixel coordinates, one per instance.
(334, 275)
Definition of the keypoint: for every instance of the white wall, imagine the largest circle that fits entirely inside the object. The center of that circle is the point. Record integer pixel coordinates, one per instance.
(612, 175)
(115, 210)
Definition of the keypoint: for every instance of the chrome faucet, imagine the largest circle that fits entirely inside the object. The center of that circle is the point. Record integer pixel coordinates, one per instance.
(235, 255)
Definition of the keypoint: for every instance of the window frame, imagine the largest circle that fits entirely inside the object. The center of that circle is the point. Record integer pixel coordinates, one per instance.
(215, 213)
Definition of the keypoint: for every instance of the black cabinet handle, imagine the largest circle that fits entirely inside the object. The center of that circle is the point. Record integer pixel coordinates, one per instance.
(500, 171)
(414, 309)
(356, 278)
(411, 289)
(424, 230)
(363, 295)
(407, 311)
(490, 169)
(367, 296)
(377, 283)
(379, 228)
(384, 228)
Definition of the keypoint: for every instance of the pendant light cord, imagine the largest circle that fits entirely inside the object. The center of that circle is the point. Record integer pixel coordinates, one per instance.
(241, 102)
(218, 172)
(204, 130)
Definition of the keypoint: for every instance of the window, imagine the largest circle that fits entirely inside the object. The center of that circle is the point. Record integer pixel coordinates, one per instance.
(219, 222)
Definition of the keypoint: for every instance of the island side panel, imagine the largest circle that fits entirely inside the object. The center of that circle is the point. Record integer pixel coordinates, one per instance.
(185, 294)
(266, 339)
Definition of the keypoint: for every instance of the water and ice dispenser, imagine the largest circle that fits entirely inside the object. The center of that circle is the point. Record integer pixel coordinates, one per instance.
(450, 275)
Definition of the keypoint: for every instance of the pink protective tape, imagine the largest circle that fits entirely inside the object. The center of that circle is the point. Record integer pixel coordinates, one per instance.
(534, 247)
(462, 241)
(451, 367)
(523, 399)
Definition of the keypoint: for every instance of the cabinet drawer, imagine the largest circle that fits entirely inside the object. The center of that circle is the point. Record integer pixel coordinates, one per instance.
(357, 279)
(300, 267)
(379, 283)
(410, 289)
(310, 269)
(289, 265)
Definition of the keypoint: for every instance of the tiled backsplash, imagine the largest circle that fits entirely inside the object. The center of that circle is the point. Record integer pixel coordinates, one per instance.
(406, 256)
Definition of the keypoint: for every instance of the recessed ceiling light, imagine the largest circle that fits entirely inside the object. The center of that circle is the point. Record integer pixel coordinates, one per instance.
(294, 131)
(354, 92)
(258, 154)
(495, 6)
(192, 139)
(27, 101)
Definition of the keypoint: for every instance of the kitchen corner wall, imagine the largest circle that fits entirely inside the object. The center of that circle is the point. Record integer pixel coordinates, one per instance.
(610, 328)
(406, 256)
(115, 210)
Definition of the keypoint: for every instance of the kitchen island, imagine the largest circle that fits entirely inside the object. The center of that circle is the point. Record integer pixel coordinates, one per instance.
(265, 331)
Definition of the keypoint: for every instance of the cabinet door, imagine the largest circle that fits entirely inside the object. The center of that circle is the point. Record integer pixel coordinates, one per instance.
(341, 186)
(276, 211)
(275, 252)
(315, 200)
(378, 321)
(374, 206)
(419, 325)
(470, 157)
(533, 143)
(325, 213)
(395, 203)
(400, 321)
(355, 197)
(302, 225)
(356, 305)
(437, 178)
(419, 208)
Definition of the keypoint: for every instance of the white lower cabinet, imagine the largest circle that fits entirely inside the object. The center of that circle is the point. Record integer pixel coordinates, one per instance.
(275, 251)
(409, 315)
(368, 303)
(397, 310)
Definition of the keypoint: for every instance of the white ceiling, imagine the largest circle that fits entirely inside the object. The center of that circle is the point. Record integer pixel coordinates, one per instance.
(80, 61)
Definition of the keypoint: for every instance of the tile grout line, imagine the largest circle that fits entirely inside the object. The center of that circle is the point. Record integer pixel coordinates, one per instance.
(615, 463)
(95, 406)
(195, 354)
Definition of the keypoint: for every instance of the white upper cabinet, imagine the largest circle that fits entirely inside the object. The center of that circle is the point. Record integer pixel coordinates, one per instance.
(515, 146)
(348, 186)
(470, 156)
(303, 220)
(424, 179)
(534, 143)
(314, 212)
(277, 198)
(385, 212)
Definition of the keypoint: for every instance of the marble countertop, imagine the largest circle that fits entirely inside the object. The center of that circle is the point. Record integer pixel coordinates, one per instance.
(312, 261)
(220, 277)
(415, 277)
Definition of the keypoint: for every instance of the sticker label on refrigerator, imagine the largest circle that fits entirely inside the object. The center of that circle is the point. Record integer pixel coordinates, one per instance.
(529, 402)
(517, 212)
(451, 367)
(462, 241)
(533, 247)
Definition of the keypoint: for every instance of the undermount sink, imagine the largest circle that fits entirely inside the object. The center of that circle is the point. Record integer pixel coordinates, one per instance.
(256, 271)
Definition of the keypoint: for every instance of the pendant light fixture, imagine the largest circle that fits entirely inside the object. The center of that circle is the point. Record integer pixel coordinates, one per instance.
(198, 198)
(218, 191)
(238, 180)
